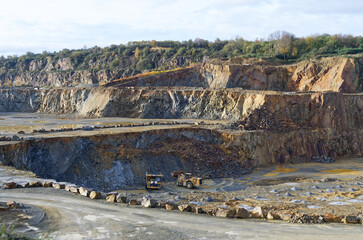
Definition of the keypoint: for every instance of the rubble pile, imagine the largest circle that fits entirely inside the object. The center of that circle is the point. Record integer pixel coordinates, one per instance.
(264, 119)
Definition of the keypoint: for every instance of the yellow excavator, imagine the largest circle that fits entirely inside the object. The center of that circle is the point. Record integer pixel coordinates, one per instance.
(153, 181)
(187, 180)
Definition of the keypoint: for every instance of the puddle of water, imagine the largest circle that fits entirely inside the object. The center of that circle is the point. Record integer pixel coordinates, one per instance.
(355, 201)
(198, 203)
(338, 203)
(313, 206)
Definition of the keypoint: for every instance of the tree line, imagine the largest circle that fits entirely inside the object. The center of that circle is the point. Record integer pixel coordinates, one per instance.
(138, 56)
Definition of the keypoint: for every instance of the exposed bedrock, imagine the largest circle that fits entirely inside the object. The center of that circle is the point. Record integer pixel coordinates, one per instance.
(304, 110)
(337, 74)
(108, 162)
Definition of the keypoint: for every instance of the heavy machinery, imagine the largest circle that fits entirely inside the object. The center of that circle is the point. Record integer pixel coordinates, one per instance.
(187, 180)
(153, 181)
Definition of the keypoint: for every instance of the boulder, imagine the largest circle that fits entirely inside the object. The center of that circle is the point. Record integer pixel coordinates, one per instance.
(84, 191)
(259, 212)
(57, 185)
(332, 218)
(10, 185)
(133, 202)
(69, 186)
(242, 213)
(12, 204)
(272, 216)
(15, 138)
(121, 198)
(350, 219)
(210, 212)
(171, 206)
(74, 189)
(197, 210)
(185, 208)
(225, 212)
(22, 185)
(95, 195)
(148, 202)
(47, 184)
(111, 198)
(161, 203)
(35, 184)
(285, 216)
(111, 193)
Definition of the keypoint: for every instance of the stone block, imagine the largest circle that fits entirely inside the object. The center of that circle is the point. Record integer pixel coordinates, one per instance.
(242, 213)
(95, 195)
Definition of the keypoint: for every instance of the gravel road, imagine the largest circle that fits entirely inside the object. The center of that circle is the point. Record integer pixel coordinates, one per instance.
(71, 216)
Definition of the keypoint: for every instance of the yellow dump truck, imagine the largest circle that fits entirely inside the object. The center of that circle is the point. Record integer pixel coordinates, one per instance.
(153, 181)
(189, 181)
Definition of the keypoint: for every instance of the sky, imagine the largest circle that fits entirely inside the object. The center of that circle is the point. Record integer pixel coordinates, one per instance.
(52, 25)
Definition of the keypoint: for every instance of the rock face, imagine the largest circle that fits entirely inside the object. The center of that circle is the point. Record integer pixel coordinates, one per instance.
(330, 74)
(123, 161)
(259, 109)
(337, 74)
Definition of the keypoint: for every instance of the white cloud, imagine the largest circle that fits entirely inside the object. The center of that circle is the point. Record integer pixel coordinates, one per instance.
(36, 25)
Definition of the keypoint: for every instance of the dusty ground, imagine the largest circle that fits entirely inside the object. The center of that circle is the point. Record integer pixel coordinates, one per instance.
(71, 216)
(77, 217)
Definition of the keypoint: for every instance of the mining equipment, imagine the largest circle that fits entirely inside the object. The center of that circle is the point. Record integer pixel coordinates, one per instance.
(153, 181)
(187, 180)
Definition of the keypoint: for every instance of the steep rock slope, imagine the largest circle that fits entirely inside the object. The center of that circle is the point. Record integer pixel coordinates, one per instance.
(338, 74)
(109, 162)
(329, 74)
(304, 110)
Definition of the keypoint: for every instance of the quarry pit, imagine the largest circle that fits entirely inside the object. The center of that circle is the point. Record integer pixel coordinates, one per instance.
(266, 137)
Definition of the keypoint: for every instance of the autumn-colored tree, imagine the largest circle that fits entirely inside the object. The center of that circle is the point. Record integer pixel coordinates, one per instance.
(137, 53)
(153, 43)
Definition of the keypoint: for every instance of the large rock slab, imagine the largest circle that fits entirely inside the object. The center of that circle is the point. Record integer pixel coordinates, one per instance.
(148, 202)
(95, 195)
(225, 212)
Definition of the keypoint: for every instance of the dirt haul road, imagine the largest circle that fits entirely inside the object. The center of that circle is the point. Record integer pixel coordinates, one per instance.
(73, 217)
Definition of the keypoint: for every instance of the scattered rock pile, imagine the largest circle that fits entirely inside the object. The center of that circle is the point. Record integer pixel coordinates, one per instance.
(323, 159)
(264, 119)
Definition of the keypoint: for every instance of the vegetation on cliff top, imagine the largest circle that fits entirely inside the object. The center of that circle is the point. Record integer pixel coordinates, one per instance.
(138, 57)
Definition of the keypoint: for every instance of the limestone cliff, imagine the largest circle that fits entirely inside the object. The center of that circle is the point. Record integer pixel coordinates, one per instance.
(303, 110)
(338, 74)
